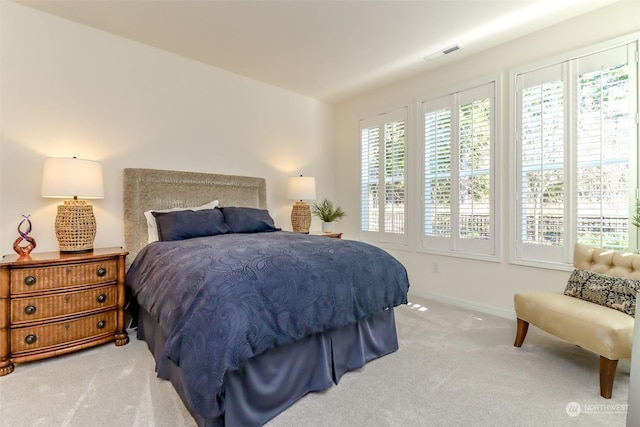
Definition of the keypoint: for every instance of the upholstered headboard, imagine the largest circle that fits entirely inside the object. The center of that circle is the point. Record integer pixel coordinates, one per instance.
(146, 189)
(607, 261)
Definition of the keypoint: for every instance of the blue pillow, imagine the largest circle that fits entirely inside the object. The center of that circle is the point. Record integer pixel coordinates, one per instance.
(248, 220)
(180, 225)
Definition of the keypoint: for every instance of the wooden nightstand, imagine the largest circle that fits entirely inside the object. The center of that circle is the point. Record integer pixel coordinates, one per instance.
(333, 235)
(54, 303)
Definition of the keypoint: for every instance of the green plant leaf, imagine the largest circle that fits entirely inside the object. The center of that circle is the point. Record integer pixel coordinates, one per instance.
(635, 220)
(327, 212)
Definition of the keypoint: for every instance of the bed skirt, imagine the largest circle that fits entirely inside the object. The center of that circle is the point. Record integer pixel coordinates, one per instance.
(272, 381)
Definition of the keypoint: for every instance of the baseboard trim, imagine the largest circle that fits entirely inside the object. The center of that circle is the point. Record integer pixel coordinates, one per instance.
(470, 305)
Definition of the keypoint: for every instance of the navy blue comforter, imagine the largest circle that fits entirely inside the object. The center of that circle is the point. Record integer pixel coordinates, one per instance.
(223, 299)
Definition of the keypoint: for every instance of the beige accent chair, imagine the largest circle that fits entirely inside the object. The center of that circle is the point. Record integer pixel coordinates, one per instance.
(602, 330)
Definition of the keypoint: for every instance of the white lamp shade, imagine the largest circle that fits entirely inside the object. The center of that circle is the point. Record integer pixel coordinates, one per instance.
(65, 177)
(301, 188)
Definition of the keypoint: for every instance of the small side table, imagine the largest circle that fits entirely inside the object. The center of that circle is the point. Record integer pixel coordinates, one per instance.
(332, 235)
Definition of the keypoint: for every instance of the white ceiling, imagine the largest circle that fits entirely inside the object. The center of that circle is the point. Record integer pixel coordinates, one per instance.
(326, 49)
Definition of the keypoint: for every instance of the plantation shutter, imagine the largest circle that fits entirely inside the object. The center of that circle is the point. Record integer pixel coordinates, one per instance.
(437, 172)
(383, 180)
(577, 154)
(394, 176)
(603, 150)
(475, 192)
(541, 151)
(458, 195)
(370, 178)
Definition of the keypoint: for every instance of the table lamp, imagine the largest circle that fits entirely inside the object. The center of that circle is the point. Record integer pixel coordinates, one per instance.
(77, 179)
(301, 188)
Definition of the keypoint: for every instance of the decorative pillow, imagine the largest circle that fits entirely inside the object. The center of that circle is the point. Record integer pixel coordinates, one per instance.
(623, 295)
(597, 289)
(248, 220)
(152, 227)
(187, 224)
(577, 282)
(618, 293)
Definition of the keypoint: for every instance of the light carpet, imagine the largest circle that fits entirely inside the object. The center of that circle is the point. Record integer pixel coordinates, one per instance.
(455, 367)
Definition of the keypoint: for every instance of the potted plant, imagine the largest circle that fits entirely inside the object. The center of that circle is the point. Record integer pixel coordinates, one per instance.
(327, 214)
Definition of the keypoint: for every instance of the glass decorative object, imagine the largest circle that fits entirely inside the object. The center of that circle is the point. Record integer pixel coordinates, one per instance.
(24, 249)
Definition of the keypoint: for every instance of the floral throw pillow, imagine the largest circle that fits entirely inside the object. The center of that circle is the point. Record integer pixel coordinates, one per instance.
(577, 282)
(618, 293)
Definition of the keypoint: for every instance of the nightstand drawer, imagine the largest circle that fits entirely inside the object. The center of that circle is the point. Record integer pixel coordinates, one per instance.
(25, 280)
(43, 307)
(31, 338)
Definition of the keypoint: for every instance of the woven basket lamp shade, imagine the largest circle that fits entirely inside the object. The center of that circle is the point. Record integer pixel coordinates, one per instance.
(301, 188)
(74, 179)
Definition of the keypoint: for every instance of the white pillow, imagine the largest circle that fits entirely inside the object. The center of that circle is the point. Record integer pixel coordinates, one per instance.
(152, 225)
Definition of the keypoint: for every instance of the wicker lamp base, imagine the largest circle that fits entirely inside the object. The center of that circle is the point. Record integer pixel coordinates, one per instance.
(301, 217)
(75, 226)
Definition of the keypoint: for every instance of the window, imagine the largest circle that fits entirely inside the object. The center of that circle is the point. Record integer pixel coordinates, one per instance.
(577, 155)
(383, 165)
(458, 135)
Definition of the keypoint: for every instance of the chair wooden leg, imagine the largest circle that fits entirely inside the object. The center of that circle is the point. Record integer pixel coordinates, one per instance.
(521, 333)
(607, 374)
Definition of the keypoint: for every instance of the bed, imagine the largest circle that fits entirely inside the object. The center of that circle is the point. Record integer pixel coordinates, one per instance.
(246, 321)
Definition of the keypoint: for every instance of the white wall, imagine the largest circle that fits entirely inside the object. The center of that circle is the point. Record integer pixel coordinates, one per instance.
(70, 90)
(486, 285)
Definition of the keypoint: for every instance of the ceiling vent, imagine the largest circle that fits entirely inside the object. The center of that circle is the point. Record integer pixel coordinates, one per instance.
(443, 52)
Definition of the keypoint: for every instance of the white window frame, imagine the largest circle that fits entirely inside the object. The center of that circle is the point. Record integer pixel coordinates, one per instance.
(560, 257)
(488, 249)
(382, 236)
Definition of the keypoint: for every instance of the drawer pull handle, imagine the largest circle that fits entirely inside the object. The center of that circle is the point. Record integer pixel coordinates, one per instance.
(101, 324)
(30, 339)
(29, 280)
(30, 309)
(101, 271)
(101, 298)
